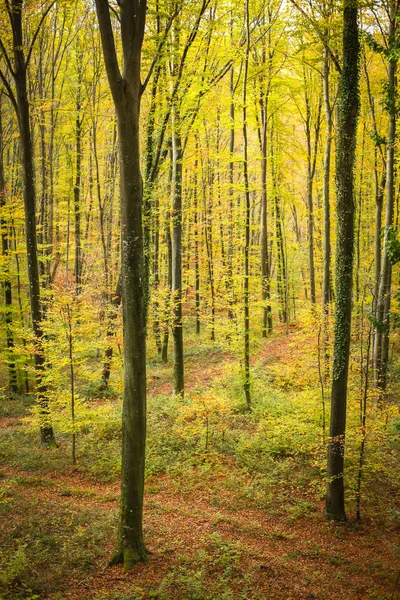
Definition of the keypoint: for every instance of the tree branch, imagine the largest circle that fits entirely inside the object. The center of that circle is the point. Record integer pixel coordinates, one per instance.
(158, 53)
(108, 43)
(10, 93)
(46, 12)
(321, 36)
(6, 58)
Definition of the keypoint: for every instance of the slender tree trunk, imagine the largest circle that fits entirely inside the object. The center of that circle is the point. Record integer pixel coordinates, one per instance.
(265, 259)
(345, 158)
(196, 243)
(27, 153)
(327, 270)
(247, 220)
(381, 346)
(280, 246)
(380, 184)
(312, 150)
(77, 184)
(177, 332)
(208, 237)
(231, 294)
(167, 307)
(5, 246)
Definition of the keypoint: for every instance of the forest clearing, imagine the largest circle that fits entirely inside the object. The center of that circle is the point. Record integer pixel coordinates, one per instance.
(200, 300)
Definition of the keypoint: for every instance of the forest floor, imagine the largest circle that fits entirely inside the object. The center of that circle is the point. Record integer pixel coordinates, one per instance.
(210, 533)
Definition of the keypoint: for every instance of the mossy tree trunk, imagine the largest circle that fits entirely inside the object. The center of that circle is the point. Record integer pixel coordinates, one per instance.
(345, 157)
(126, 89)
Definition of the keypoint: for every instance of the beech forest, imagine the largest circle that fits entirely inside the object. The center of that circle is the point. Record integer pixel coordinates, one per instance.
(199, 300)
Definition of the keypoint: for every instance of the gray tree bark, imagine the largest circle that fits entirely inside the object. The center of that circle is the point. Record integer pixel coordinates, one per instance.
(126, 89)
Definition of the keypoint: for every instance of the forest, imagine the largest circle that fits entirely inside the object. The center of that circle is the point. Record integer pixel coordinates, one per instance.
(200, 300)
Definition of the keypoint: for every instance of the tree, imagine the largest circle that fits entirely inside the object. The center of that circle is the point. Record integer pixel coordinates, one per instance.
(126, 89)
(383, 300)
(18, 69)
(348, 105)
(5, 249)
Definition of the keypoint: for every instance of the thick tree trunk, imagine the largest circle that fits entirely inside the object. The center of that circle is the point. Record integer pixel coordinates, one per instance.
(126, 90)
(345, 157)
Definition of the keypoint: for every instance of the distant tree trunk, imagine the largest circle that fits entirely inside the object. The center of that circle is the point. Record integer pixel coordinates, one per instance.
(77, 184)
(231, 294)
(380, 184)
(359, 208)
(345, 158)
(208, 235)
(5, 247)
(265, 259)
(126, 90)
(21, 105)
(381, 346)
(280, 246)
(247, 219)
(312, 150)
(327, 270)
(177, 332)
(196, 243)
(111, 301)
(167, 307)
(297, 231)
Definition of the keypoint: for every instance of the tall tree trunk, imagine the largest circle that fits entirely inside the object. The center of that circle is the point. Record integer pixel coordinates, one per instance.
(380, 184)
(312, 150)
(126, 90)
(177, 332)
(246, 273)
(27, 153)
(280, 246)
(381, 346)
(327, 270)
(345, 158)
(265, 259)
(208, 181)
(167, 306)
(231, 295)
(6, 247)
(196, 241)
(77, 184)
